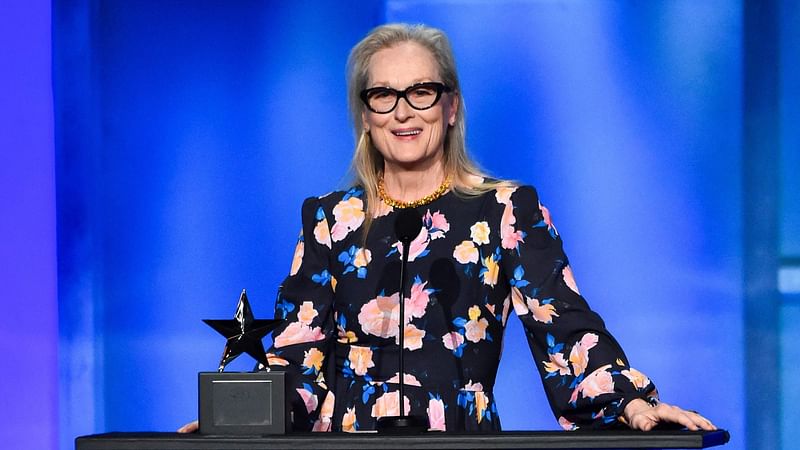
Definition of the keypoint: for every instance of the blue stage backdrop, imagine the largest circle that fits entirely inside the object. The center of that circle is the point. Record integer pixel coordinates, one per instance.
(28, 308)
(188, 134)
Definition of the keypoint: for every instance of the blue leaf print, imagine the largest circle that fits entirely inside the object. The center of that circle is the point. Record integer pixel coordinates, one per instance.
(322, 278)
(368, 390)
(284, 307)
(345, 257)
(320, 213)
(551, 341)
(353, 192)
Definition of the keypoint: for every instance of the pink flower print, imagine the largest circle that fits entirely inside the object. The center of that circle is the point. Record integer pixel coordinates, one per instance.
(510, 237)
(382, 210)
(476, 330)
(298, 333)
(481, 402)
(322, 233)
(349, 420)
(579, 356)
(275, 360)
(346, 336)
(349, 215)
(322, 426)
(408, 379)
(472, 387)
(418, 303)
(436, 224)
(388, 404)
(452, 340)
(569, 279)
(490, 270)
(324, 423)
(297, 259)
(466, 253)
(566, 424)
(380, 316)
(638, 379)
(362, 258)
(307, 313)
(597, 383)
(309, 399)
(506, 308)
(547, 220)
(360, 359)
(436, 418)
(503, 194)
(313, 358)
(418, 247)
(479, 232)
(518, 299)
(557, 363)
(542, 312)
(412, 338)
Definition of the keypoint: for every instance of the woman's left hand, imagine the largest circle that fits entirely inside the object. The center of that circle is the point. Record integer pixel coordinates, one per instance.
(640, 415)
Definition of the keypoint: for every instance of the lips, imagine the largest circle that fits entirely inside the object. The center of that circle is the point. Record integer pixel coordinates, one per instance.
(407, 132)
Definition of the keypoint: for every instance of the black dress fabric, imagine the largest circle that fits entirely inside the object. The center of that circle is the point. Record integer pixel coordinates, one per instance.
(476, 259)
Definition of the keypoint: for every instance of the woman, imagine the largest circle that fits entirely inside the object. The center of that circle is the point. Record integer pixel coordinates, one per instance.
(486, 247)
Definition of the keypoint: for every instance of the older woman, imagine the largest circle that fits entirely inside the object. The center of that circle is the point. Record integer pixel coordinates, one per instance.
(486, 247)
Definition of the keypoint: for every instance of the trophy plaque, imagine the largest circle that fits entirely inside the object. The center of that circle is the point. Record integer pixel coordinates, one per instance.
(242, 403)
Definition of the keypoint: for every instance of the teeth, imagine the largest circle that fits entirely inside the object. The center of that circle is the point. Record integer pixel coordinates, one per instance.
(408, 133)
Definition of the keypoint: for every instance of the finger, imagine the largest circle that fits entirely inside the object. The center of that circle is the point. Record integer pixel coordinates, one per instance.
(190, 427)
(643, 422)
(702, 421)
(689, 419)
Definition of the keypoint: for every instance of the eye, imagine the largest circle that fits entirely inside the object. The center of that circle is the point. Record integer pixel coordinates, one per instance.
(381, 94)
(423, 92)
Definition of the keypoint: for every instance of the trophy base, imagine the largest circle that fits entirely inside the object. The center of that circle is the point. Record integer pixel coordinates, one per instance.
(242, 403)
(402, 425)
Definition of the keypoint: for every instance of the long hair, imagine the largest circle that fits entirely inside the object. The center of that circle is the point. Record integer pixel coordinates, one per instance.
(367, 164)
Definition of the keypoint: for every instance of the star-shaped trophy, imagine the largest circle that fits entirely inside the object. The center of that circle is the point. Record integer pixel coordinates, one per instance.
(244, 333)
(242, 403)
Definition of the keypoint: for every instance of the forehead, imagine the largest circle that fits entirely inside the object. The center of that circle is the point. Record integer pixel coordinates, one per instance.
(402, 65)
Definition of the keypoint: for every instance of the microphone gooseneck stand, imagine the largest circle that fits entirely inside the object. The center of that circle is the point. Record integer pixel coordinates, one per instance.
(407, 226)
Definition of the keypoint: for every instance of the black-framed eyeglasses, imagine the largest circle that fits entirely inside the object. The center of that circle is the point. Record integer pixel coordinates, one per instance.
(420, 96)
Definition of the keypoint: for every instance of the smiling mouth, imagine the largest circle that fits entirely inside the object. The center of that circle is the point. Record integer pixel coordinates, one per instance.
(407, 133)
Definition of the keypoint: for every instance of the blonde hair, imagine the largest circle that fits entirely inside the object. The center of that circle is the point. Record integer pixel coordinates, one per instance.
(367, 163)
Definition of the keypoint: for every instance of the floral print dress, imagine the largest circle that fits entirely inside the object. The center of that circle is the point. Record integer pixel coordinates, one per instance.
(475, 261)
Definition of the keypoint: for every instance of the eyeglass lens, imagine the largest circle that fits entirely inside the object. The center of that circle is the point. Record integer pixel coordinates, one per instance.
(420, 96)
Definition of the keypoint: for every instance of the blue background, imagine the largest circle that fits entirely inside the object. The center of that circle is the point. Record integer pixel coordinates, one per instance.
(165, 170)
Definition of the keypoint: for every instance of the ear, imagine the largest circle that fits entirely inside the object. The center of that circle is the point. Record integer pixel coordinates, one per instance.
(451, 117)
(364, 122)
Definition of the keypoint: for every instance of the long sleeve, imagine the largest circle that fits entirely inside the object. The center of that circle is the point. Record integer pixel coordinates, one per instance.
(586, 375)
(300, 344)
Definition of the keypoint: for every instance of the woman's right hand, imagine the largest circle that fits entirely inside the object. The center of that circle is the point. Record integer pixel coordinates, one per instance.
(190, 427)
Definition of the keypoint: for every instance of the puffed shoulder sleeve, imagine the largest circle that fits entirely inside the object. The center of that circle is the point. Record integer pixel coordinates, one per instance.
(305, 302)
(586, 375)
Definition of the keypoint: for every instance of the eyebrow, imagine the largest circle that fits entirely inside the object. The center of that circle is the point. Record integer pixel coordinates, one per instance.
(413, 82)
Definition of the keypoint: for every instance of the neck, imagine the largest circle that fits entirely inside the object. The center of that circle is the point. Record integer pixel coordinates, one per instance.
(407, 185)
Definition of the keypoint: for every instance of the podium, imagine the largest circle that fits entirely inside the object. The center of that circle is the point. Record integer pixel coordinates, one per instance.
(612, 439)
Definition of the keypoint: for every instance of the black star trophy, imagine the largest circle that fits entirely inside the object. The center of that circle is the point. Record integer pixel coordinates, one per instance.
(242, 403)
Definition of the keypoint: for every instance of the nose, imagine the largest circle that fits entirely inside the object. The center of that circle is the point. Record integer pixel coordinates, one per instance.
(403, 111)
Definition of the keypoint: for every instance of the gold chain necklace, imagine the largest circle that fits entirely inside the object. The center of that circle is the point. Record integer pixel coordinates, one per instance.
(413, 204)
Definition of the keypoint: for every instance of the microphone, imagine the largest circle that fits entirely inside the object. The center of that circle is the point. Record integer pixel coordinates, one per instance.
(407, 226)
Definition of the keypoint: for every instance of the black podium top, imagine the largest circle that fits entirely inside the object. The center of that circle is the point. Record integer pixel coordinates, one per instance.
(434, 440)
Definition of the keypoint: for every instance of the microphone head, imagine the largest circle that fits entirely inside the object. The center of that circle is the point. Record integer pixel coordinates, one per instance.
(407, 224)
